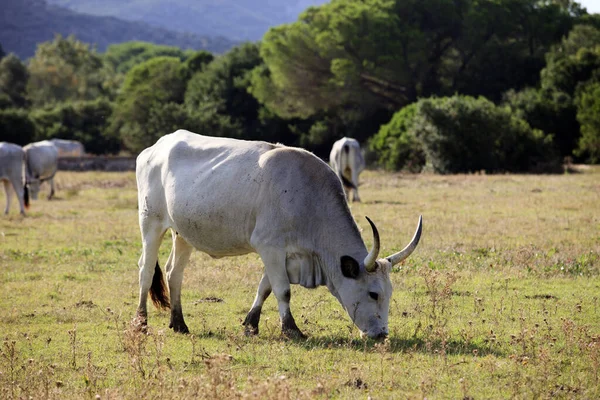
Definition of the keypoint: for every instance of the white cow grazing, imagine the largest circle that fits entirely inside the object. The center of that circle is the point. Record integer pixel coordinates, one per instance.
(229, 197)
(347, 161)
(12, 158)
(41, 163)
(68, 148)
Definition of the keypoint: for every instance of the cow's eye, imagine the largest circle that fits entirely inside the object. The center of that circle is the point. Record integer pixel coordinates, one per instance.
(374, 296)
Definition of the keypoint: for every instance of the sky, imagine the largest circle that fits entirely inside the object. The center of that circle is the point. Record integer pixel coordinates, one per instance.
(593, 6)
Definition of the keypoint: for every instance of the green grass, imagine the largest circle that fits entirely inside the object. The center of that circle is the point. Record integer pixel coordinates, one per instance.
(499, 300)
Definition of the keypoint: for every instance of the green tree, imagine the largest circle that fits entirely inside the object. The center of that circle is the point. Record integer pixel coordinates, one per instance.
(124, 56)
(588, 115)
(374, 53)
(84, 121)
(65, 70)
(13, 80)
(146, 89)
(219, 99)
(16, 126)
(551, 111)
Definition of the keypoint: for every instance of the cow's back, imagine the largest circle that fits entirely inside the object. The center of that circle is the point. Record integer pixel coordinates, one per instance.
(41, 158)
(205, 188)
(68, 148)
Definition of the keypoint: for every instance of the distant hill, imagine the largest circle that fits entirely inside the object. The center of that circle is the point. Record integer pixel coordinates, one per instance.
(234, 19)
(25, 23)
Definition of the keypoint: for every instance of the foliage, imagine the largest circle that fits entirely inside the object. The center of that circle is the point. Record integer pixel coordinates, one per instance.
(13, 80)
(146, 89)
(378, 54)
(571, 65)
(84, 121)
(124, 56)
(396, 145)
(588, 115)
(16, 126)
(551, 111)
(568, 71)
(464, 134)
(219, 100)
(65, 70)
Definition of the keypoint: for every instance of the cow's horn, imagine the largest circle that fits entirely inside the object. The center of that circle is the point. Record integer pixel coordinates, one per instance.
(407, 251)
(371, 258)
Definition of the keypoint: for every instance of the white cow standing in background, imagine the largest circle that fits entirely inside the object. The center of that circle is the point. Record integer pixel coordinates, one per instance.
(12, 158)
(41, 164)
(347, 161)
(68, 148)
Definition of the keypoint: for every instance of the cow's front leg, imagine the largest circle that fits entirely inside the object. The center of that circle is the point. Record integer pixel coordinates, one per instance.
(8, 192)
(178, 259)
(253, 317)
(276, 270)
(51, 195)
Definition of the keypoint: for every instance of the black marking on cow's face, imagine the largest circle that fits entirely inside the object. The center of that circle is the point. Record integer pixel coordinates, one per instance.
(350, 267)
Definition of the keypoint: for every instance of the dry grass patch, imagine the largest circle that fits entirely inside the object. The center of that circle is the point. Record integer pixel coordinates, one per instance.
(499, 300)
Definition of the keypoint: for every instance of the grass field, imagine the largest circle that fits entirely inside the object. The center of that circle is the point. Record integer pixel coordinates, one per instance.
(500, 300)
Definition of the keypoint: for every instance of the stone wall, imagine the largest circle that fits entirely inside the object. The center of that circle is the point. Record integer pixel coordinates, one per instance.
(96, 163)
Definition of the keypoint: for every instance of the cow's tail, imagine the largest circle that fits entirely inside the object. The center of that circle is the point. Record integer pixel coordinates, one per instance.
(346, 182)
(345, 155)
(26, 196)
(158, 291)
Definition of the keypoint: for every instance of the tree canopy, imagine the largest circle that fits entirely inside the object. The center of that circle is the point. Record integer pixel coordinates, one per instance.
(387, 53)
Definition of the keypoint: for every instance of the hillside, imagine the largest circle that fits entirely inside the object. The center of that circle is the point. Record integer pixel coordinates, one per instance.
(25, 23)
(235, 19)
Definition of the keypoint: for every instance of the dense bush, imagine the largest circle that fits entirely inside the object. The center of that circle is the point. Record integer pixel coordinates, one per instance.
(85, 121)
(551, 111)
(395, 144)
(462, 134)
(588, 114)
(466, 134)
(16, 126)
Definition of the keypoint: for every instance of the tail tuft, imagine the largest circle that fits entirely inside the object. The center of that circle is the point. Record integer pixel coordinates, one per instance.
(26, 196)
(158, 291)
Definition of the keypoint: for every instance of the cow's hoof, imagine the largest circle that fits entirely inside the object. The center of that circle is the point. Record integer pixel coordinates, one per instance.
(294, 334)
(140, 324)
(179, 328)
(250, 330)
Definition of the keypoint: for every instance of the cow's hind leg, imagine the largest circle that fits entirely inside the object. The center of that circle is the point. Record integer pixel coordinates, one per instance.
(51, 195)
(274, 260)
(8, 192)
(178, 259)
(150, 274)
(253, 317)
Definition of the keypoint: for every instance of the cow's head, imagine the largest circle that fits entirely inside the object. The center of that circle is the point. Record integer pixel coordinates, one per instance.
(367, 289)
(33, 184)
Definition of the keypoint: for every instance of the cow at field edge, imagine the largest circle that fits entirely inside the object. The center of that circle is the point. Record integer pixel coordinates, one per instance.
(12, 158)
(41, 163)
(347, 161)
(68, 148)
(229, 197)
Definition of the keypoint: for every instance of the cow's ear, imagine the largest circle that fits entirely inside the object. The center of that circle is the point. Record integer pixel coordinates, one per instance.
(350, 267)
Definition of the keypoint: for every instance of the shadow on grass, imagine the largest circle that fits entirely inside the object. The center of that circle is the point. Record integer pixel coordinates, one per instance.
(400, 345)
